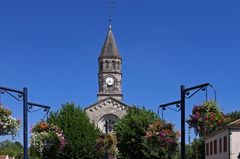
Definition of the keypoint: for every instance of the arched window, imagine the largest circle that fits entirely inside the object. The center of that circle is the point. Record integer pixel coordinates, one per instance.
(106, 64)
(114, 64)
(107, 122)
(119, 64)
(101, 65)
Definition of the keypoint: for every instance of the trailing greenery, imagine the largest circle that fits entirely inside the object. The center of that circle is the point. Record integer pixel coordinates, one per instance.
(79, 133)
(136, 135)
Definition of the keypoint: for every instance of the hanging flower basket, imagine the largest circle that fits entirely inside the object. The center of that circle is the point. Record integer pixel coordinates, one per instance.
(206, 118)
(47, 140)
(8, 124)
(106, 146)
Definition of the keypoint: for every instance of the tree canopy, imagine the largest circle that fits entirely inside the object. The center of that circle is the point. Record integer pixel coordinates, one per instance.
(80, 134)
(139, 135)
(234, 115)
(11, 148)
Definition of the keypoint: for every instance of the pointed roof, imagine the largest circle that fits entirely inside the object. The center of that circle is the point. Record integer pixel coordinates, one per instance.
(109, 49)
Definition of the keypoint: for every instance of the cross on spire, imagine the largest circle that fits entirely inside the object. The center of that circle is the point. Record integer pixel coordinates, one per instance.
(110, 7)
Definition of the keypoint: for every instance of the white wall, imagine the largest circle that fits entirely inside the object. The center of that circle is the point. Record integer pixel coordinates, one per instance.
(235, 144)
(222, 155)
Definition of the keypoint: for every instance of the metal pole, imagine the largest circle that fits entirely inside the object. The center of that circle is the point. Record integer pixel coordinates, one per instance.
(25, 123)
(182, 122)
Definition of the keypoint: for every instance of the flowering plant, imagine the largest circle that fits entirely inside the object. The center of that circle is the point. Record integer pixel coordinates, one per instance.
(106, 146)
(163, 135)
(206, 118)
(8, 124)
(47, 139)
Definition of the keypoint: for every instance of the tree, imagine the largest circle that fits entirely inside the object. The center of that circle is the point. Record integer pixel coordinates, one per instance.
(132, 132)
(234, 115)
(10, 148)
(80, 134)
(198, 148)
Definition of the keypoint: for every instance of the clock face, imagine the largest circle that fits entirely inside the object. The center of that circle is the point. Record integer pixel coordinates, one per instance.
(109, 81)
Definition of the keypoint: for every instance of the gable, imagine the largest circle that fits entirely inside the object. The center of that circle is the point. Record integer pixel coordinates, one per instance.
(105, 107)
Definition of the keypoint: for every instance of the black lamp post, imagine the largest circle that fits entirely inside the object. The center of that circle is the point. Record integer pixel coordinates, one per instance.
(185, 94)
(24, 95)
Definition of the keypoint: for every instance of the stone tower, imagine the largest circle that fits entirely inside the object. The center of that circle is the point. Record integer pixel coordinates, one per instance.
(110, 73)
(109, 108)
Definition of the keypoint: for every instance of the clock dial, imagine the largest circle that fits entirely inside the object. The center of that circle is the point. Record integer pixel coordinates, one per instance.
(109, 81)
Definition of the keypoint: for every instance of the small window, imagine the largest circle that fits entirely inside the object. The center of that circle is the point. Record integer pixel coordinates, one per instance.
(225, 144)
(118, 65)
(114, 64)
(207, 149)
(107, 64)
(220, 145)
(211, 148)
(215, 146)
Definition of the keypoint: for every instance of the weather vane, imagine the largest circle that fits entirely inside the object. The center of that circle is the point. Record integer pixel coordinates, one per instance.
(110, 7)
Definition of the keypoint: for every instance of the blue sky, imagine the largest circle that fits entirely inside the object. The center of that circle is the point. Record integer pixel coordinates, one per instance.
(52, 47)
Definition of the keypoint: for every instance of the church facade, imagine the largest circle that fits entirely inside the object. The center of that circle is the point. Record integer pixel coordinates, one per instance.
(109, 108)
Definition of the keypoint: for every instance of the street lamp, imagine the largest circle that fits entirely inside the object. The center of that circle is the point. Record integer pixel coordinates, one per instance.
(185, 94)
(23, 94)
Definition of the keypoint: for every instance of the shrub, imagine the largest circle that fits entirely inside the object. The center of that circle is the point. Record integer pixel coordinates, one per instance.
(80, 134)
(138, 135)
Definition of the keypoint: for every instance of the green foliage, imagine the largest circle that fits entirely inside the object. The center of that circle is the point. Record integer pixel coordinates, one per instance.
(11, 148)
(131, 131)
(198, 148)
(80, 134)
(234, 115)
(188, 151)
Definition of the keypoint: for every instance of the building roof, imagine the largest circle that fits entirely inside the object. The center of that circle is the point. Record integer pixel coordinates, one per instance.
(233, 125)
(109, 49)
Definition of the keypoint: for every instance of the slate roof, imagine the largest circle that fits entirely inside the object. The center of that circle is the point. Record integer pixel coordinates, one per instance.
(109, 49)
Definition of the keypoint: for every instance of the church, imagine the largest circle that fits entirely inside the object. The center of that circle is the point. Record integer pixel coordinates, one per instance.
(109, 107)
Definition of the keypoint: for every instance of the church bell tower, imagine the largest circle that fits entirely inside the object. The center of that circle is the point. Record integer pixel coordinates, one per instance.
(110, 72)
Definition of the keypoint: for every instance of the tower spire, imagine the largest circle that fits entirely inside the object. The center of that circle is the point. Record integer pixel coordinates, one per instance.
(110, 72)
(110, 49)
